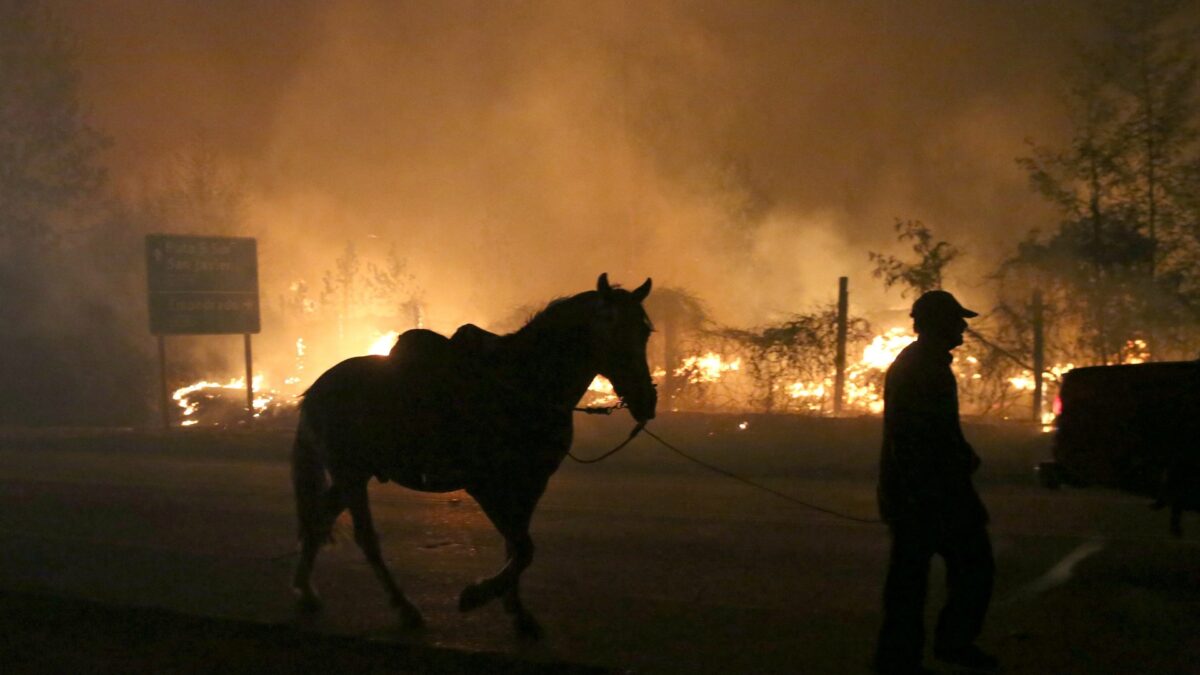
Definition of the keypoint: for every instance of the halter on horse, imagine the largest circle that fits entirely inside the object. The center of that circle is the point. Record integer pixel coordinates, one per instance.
(488, 414)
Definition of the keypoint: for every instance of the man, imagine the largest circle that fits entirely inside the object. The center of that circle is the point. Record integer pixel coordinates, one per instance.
(928, 501)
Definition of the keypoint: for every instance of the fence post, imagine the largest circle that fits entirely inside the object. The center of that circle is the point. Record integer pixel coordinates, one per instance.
(839, 380)
(1039, 356)
(670, 357)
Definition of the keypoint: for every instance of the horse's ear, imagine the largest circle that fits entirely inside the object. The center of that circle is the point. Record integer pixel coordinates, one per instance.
(642, 291)
(602, 285)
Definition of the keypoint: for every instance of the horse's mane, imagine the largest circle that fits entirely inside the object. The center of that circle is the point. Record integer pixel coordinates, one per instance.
(557, 311)
(565, 309)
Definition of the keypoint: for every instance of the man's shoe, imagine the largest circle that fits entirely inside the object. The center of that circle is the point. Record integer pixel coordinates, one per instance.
(969, 656)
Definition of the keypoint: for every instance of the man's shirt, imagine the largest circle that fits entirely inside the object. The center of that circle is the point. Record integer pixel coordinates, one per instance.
(926, 463)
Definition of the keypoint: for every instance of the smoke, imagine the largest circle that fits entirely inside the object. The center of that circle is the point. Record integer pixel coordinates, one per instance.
(750, 153)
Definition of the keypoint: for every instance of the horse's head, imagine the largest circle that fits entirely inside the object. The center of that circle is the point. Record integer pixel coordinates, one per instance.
(619, 338)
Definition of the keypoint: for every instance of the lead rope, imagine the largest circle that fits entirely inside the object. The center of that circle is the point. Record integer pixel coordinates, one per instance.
(641, 426)
(760, 486)
(637, 429)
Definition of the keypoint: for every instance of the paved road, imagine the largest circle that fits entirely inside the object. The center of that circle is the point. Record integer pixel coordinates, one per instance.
(644, 562)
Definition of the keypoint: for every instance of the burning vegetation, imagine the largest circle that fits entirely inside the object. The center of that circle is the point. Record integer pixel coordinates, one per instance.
(786, 369)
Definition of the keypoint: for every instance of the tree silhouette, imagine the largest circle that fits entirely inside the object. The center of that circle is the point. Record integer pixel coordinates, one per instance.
(932, 258)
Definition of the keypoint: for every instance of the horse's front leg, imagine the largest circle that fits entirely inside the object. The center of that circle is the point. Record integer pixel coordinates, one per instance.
(510, 510)
(523, 619)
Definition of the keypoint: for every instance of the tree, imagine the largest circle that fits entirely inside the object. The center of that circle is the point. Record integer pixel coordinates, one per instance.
(75, 344)
(790, 364)
(932, 259)
(1123, 259)
(48, 151)
(197, 192)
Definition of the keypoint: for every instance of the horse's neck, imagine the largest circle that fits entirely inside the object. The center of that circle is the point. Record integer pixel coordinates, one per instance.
(553, 369)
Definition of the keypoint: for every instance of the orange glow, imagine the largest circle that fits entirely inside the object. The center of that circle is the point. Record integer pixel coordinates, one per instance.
(707, 367)
(182, 396)
(383, 344)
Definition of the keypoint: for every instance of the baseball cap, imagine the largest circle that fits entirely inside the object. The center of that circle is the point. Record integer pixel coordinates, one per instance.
(939, 303)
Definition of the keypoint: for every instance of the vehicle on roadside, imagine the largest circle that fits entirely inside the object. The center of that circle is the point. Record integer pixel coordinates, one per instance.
(1134, 428)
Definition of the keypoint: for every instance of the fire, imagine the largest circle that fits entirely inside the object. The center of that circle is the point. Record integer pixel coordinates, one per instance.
(183, 396)
(806, 390)
(191, 397)
(706, 368)
(864, 379)
(863, 384)
(1023, 382)
(383, 344)
(884, 348)
(1135, 351)
(600, 392)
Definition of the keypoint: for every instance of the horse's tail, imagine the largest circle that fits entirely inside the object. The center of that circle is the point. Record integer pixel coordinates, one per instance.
(309, 481)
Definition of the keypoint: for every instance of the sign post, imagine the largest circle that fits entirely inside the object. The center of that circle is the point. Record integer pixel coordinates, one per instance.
(202, 286)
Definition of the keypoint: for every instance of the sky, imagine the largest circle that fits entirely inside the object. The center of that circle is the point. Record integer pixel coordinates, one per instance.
(749, 152)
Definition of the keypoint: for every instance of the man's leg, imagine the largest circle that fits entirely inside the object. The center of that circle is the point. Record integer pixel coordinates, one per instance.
(902, 636)
(970, 570)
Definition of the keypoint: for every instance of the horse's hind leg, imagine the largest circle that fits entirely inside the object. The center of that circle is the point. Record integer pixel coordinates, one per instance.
(332, 505)
(368, 541)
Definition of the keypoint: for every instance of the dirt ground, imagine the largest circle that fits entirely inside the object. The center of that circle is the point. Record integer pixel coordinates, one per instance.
(47, 634)
(138, 551)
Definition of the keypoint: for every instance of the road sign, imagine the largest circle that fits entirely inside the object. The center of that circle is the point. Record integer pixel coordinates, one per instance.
(202, 285)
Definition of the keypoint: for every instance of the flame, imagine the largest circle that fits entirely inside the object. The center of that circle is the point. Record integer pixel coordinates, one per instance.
(264, 397)
(182, 396)
(706, 368)
(864, 382)
(1136, 351)
(601, 392)
(1023, 382)
(383, 344)
(806, 389)
(884, 348)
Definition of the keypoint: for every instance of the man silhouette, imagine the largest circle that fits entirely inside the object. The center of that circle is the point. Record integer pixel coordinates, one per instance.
(928, 501)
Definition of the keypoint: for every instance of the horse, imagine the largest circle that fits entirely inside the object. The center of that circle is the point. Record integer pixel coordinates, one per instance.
(488, 414)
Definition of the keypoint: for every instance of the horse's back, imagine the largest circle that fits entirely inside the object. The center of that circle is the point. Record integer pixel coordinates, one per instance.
(400, 417)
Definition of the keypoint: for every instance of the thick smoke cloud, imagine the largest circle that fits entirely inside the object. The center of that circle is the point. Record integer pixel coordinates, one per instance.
(750, 152)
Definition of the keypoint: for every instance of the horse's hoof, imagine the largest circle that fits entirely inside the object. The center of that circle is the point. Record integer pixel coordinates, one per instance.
(410, 616)
(473, 597)
(308, 602)
(528, 627)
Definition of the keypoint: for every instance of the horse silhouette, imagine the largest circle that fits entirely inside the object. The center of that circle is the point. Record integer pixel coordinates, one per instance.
(490, 414)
